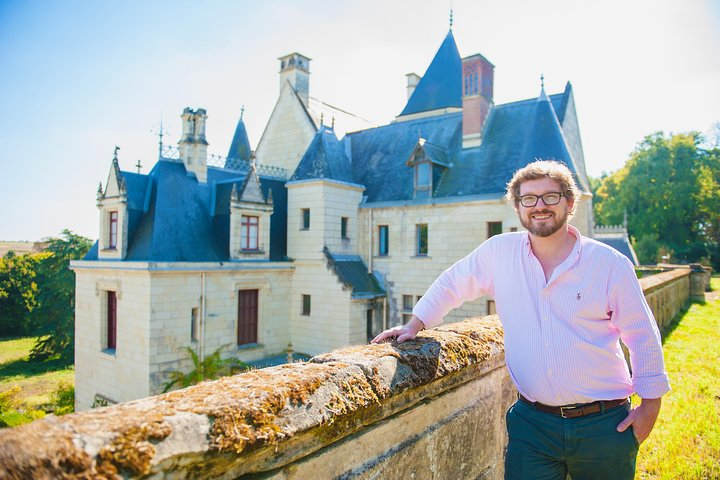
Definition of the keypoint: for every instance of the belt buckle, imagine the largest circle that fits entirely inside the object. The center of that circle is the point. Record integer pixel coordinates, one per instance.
(563, 409)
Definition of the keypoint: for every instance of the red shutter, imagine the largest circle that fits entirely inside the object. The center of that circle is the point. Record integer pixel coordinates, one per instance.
(111, 320)
(247, 316)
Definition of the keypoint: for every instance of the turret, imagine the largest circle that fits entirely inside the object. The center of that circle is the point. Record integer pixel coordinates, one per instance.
(295, 68)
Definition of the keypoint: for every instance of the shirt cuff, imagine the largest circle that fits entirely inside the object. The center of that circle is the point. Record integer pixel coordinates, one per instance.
(426, 316)
(651, 387)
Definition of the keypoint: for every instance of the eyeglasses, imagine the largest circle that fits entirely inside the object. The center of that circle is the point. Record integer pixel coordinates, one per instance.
(550, 198)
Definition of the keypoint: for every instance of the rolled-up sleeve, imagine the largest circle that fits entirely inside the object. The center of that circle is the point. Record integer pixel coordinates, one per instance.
(631, 315)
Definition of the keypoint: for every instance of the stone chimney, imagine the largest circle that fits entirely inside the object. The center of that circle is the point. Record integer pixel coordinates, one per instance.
(193, 145)
(412, 80)
(295, 68)
(477, 97)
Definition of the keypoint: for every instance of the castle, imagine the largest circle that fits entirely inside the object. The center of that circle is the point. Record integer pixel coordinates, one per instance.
(308, 241)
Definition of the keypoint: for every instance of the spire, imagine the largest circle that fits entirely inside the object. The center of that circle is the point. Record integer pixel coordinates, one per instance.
(240, 146)
(543, 96)
(441, 86)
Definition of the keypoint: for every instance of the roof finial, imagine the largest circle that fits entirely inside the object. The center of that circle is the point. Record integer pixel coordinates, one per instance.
(322, 119)
(242, 110)
(160, 134)
(332, 125)
(451, 15)
(542, 81)
(138, 165)
(115, 157)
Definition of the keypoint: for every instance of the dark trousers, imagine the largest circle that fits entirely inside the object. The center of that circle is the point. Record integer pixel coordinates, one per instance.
(545, 446)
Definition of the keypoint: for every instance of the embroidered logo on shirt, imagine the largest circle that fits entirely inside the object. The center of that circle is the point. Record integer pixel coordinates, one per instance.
(578, 296)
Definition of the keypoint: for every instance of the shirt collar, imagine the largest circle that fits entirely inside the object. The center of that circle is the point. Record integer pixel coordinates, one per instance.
(577, 248)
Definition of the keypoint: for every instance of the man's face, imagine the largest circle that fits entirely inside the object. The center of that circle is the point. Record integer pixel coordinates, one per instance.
(543, 220)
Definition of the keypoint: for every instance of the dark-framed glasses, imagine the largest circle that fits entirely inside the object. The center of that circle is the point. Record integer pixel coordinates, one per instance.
(550, 198)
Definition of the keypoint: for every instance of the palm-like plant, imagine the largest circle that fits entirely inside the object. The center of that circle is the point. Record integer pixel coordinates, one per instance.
(211, 367)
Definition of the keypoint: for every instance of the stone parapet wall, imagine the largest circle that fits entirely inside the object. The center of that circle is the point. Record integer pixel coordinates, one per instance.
(380, 410)
(667, 293)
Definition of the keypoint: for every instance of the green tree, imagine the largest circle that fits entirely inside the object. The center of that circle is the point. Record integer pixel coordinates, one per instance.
(18, 293)
(669, 189)
(55, 311)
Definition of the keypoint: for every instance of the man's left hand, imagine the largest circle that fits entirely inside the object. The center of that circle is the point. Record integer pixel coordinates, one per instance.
(642, 418)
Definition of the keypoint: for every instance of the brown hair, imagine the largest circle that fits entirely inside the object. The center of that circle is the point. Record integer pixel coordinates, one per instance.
(551, 169)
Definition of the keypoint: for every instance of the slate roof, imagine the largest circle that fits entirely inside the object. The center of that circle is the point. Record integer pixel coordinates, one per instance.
(173, 218)
(621, 244)
(324, 158)
(514, 135)
(441, 86)
(240, 146)
(353, 273)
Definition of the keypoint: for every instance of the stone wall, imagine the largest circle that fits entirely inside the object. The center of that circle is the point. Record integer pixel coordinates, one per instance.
(430, 408)
(667, 293)
(155, 304)
(376, 410)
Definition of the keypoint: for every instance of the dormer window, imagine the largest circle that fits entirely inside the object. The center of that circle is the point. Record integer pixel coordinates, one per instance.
(428, 162)
(113, 232)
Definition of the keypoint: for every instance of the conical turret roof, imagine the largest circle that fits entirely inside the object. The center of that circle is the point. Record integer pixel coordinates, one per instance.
(441, 86)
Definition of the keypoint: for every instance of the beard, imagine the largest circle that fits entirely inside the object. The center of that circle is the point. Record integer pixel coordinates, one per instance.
(547, 227)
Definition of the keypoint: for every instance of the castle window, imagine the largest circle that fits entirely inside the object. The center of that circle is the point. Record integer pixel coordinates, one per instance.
(194, 324)
(247, 325)
(305, 214)
(407, 304)
(112, 237)
(494, 228)
(383, 240)
(249, 232)
(111, 321)
(491, 307)
(305, 305)
(422, 240)
(344, 228)
(423, 175)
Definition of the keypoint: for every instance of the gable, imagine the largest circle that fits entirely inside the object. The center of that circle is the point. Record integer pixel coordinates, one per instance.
(287, 133)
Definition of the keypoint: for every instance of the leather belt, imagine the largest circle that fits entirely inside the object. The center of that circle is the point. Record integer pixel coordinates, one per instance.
(574, 411)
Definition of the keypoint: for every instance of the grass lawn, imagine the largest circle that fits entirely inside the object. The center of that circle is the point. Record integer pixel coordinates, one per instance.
(38, 380)
(685, 443)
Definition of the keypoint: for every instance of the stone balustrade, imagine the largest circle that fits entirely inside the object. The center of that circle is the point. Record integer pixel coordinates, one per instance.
(430, 408)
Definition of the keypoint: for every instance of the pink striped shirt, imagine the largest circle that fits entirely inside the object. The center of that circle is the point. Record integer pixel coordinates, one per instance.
(561, 335)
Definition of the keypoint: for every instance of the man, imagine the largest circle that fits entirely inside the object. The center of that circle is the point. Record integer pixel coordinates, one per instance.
(564, 301)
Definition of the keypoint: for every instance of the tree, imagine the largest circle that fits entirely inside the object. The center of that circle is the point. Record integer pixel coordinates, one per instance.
(55, 312)
(669, 189)
(18, 292)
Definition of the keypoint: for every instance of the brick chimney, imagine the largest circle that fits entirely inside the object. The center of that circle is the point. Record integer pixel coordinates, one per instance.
(193, 145)
(477, 97)
(295, 68)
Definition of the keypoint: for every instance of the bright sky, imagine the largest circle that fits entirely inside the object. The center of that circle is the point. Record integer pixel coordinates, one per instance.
(79, 77)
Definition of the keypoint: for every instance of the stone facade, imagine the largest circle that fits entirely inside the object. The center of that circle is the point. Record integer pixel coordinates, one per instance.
(155, 306)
